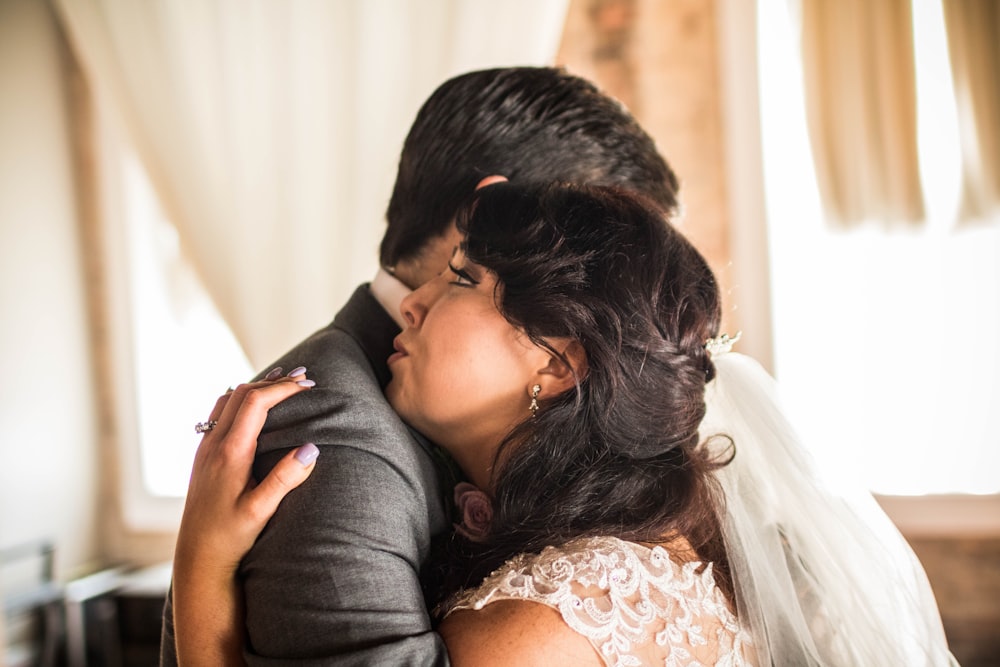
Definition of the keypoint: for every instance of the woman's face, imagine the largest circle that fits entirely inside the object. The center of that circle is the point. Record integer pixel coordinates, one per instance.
(462, 374)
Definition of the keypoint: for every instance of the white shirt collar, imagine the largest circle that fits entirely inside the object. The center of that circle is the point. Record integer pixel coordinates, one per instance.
(390, 291)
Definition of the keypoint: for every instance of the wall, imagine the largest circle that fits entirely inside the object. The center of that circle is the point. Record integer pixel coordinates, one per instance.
(660, 59)
(48, 432)
(965, 575)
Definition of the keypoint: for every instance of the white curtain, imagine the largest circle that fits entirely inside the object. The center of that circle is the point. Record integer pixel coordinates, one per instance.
(861, 103)
(974, 47)
(271, 130)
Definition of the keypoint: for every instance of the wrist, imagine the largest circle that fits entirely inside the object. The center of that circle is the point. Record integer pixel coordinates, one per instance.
(204, 562)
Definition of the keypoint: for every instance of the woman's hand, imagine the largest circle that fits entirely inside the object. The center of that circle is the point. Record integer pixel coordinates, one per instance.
(224, 513)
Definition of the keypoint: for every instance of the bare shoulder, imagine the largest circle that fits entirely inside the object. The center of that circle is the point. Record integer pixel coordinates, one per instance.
(514, 632)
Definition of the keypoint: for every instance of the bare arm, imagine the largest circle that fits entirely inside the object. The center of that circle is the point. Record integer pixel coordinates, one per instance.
(224, 513)
(514, 632)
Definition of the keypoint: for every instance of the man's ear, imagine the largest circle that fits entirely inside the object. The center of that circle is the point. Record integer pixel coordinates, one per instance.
(490, 180)
(556, 377)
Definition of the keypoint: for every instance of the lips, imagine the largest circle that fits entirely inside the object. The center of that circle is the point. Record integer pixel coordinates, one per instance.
(399, 353)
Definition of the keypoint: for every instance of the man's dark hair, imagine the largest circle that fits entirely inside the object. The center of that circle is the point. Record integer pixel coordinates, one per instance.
(526, 123)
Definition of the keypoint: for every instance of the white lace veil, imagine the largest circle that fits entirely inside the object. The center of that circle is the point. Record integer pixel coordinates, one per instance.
(822, 577)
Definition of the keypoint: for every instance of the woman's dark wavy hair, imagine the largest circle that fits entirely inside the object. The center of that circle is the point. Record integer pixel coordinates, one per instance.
(619, 455)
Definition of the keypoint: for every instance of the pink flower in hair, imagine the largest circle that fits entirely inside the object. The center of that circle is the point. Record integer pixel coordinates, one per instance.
(476, 511)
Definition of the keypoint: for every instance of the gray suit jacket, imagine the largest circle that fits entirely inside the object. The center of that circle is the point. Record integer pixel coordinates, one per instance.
(334, 578)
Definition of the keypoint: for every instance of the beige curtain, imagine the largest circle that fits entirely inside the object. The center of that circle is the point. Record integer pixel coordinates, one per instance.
(861, 105)
(271, 130)
(974, 46)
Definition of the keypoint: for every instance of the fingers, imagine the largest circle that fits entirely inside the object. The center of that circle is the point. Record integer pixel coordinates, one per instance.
(239, 395)
(251, 412)
(232, 404)
(240, 415)
(293, 469)
(219, 405)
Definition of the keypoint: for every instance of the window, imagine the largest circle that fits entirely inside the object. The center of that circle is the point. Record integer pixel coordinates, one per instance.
(174, 353)
(185, 355)
(884, 339)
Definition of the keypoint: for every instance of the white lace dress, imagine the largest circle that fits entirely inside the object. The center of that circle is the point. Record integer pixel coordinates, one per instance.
(634, 604)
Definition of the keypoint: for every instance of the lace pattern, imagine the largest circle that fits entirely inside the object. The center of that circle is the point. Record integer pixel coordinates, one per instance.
(634, 604)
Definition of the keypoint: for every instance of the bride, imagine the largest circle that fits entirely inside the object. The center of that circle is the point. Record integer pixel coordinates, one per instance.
(562, 361)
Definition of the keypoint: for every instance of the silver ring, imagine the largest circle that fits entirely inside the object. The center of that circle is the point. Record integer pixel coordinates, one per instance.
(205, 427)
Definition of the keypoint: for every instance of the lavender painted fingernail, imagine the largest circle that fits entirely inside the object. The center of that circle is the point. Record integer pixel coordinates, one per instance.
(306, 383)
(307, 453)
(297, 371)
(274, 374)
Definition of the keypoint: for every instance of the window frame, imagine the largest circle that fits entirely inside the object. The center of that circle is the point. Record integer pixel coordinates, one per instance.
(932, 515)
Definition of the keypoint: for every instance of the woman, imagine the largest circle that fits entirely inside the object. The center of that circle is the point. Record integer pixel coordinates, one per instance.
(562, 362)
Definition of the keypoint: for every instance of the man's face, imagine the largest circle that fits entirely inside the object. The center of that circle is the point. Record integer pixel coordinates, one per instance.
(434, 256)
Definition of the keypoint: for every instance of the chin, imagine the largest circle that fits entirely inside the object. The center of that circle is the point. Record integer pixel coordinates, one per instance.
(392, 394)
(397, 402)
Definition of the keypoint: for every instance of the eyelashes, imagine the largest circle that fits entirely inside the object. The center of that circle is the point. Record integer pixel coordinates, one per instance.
(463, 276)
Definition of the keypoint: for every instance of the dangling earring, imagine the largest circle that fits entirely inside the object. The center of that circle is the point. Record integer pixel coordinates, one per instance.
(534, 399)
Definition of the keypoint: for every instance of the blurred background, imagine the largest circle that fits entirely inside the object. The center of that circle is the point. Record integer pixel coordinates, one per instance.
(189, 187)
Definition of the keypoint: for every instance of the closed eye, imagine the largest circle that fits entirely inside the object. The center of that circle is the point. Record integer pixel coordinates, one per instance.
(464, 279)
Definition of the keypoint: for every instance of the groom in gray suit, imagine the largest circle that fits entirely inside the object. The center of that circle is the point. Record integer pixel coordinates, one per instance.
(335, 577)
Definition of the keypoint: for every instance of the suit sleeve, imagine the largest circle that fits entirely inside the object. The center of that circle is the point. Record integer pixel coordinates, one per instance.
(168, 649)
(327, 586)
(334, 578)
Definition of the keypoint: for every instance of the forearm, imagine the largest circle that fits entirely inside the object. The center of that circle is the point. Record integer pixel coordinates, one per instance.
(224, 512)
(208, 616)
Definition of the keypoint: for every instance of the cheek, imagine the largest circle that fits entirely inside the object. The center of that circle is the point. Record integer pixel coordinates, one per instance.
(478, 376)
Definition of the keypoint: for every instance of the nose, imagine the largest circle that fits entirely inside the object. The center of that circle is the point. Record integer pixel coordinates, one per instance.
(415, 304)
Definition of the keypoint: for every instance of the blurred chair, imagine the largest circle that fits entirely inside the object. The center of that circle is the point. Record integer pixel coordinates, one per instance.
(32, 605)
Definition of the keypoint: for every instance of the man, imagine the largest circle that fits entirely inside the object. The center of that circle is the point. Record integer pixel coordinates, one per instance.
(334, 578)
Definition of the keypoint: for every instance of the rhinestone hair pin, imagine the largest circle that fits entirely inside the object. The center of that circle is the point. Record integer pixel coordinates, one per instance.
(721, 344)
